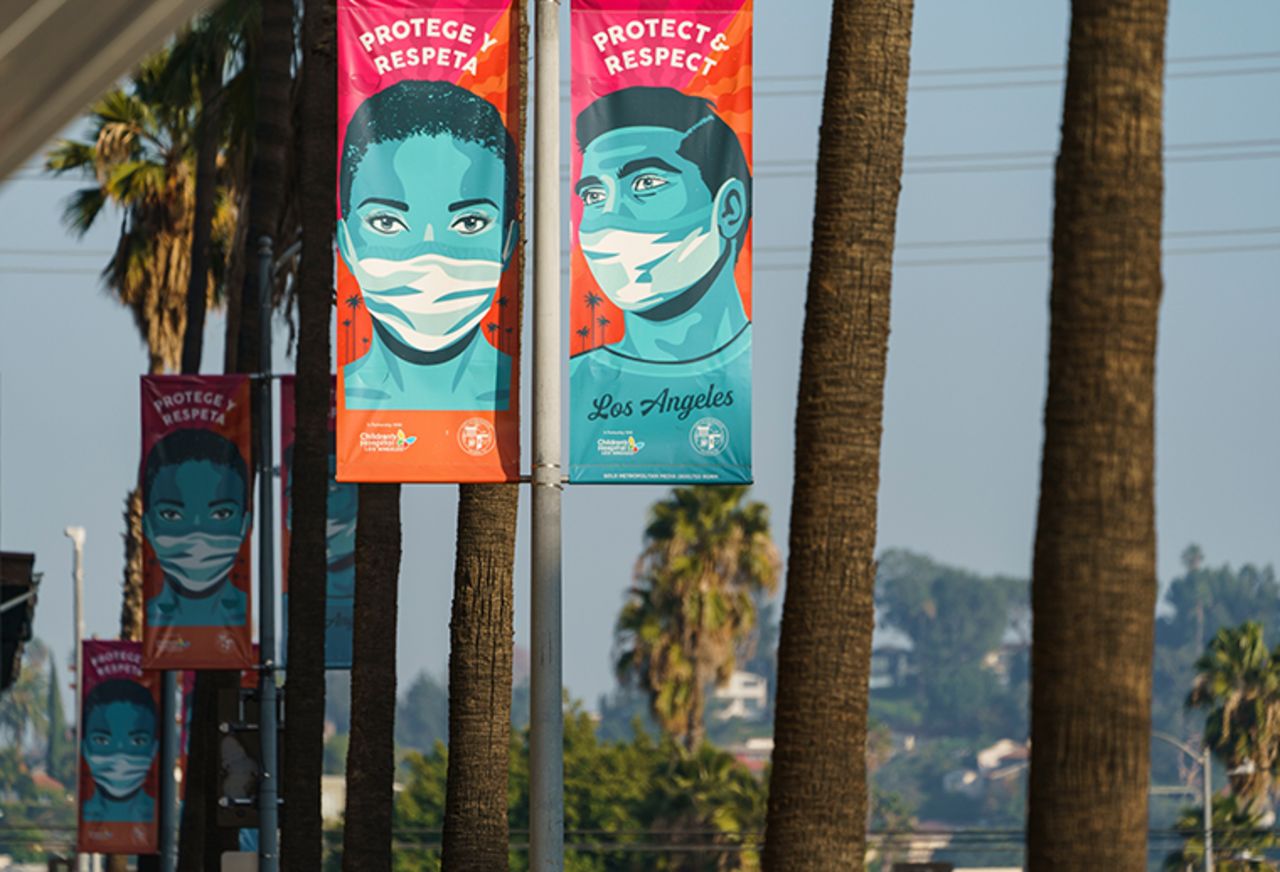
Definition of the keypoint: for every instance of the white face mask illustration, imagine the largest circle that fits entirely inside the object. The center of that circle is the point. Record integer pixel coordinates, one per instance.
(197, 561)
(638, 271)
(119, 775)
(428, 302)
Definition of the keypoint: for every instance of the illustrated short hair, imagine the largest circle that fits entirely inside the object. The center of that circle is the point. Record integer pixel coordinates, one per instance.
(419, 108)
(120, 690)
(184, 446)
(709, 142)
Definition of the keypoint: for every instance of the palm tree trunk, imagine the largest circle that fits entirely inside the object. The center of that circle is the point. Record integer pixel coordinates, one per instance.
(302, 847)
(271, 109)
(366, 842)
(208, 135)
(202, 841)
(1094, 578)
(131, 602)
(818, 791)
(481, 629)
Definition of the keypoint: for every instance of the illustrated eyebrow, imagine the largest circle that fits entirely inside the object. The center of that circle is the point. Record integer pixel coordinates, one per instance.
(167, 502)
(585, 182)
(224, 502)
(645, 163)
(394, 204)
(476, 201)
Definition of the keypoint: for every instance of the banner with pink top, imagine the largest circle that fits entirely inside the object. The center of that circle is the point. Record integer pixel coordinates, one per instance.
(119, 774)
(428, 241)
(660, 312)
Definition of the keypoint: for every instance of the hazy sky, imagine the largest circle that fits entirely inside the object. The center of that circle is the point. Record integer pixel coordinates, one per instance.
(967, 352)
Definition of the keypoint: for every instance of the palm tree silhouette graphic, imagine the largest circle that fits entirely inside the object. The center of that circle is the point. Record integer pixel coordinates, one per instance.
(592, 299)
(353, 302)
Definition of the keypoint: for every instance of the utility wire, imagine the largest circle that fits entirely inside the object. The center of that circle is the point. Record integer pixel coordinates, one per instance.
(998, 242)
(976, 157)
(1019, 68)
(789, 267)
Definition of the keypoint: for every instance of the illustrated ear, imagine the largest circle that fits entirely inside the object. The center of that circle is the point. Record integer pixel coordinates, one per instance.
(147, 532)
(509, 243)
(247, 524)
(345, 246)
(731, 208)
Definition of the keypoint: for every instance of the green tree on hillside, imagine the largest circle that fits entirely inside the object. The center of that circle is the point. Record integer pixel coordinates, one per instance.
(955, 619)
(707, 553)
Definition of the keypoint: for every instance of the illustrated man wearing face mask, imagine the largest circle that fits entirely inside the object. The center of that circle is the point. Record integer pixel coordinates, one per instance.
(340, 552)
(196, 516)
(427, 192)
(119, 746)
(666, 205)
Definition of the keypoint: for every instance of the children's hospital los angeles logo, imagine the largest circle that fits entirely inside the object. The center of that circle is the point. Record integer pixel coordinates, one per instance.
(389, 438)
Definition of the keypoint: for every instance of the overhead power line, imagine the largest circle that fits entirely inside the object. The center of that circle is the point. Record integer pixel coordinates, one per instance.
(951, 72)
(799, 266)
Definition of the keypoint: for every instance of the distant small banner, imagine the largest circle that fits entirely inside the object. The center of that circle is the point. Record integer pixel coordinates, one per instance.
(197, 513)
(428, 240)
(119, 751)
(340, 539)
(661, 174)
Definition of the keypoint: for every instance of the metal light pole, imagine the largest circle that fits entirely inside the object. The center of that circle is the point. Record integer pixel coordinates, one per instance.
(546, 739)
(171, 712)
(76, 535)
(268, 793)
(1204, 757)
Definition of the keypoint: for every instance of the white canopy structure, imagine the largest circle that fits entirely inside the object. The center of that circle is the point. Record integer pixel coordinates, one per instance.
(57, 56)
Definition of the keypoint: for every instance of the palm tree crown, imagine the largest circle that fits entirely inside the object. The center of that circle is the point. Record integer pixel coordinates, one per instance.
(707, 553)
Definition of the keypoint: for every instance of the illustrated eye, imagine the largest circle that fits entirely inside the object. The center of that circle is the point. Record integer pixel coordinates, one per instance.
(385, 223)
(471, 223)
(221, 514)
(170, 515)
(140, 741)
(100, 741)
(592, 196)
(647, 183)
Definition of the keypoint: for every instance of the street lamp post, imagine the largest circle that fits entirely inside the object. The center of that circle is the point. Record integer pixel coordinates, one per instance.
(76, 535)
(1204, 759)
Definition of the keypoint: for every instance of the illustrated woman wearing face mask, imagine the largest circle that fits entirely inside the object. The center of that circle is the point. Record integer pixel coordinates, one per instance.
(195, 516)
(427, 191)
(666, 204)
(119, 746)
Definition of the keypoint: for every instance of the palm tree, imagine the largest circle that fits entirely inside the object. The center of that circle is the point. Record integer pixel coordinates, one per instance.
(1238, 683)
(480, 671)
(593, 300)
(818, 789)
(481, 626)
(583, 333)
(1094, 571)
(301, 828)
(603, 322)
(366, 838)
(494, 328)
(139, 157)
(707, 553)
(1239, 839)
(196, 75)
